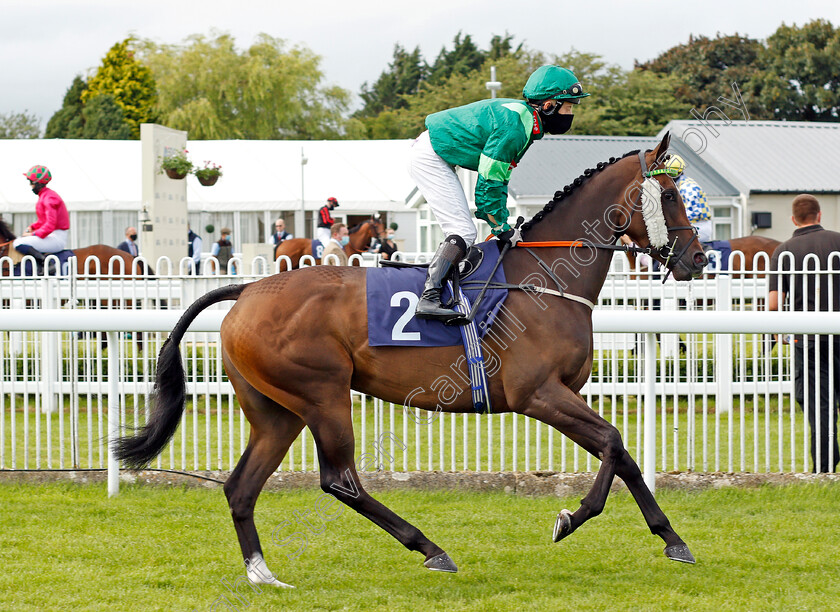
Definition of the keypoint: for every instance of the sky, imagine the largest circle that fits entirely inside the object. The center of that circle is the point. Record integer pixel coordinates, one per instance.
(45, 43)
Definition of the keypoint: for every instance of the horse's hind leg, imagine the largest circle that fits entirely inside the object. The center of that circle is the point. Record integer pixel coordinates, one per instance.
(558, 406)
(628, 470)
(273, 429)
(333, 432)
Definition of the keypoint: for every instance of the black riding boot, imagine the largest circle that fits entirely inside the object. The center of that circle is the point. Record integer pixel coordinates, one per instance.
(37, 255)
(449, 253)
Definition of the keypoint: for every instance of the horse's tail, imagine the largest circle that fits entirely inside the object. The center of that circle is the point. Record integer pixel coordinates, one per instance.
(169, 394)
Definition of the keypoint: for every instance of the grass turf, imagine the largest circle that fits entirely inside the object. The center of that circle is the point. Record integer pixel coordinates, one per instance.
(70, 547)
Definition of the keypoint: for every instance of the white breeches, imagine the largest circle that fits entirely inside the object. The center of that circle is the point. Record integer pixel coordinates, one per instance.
(51, 243)
(322, 234)
(440, 186)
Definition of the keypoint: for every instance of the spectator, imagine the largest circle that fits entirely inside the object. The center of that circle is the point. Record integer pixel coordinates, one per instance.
(325, 221)
(280, 234)
(49, 232)
(809, 292)
(129, 245)
(223, 251)
(194, 250)
(339, 237)
(387, 247)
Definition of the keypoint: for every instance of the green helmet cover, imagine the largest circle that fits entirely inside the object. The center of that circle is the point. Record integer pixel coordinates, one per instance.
(553, 83)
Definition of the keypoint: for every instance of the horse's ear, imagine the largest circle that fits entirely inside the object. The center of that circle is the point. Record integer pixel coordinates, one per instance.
(662, 149)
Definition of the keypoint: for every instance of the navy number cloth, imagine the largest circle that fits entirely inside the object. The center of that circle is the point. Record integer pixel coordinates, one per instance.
(393, 293)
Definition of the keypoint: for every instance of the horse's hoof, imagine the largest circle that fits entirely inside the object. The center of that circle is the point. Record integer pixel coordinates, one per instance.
(679, 552)
(441, 563)
(563, 525)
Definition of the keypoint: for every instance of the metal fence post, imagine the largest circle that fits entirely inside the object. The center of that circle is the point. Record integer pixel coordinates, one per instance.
(649, 469)
(113, 411)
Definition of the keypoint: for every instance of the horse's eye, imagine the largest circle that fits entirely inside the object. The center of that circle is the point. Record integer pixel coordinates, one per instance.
(669, 195)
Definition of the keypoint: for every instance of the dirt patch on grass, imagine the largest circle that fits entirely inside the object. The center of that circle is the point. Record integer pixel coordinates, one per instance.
(514, 483)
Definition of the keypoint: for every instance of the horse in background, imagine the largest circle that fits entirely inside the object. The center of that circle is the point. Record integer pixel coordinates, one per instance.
(90, 260)
(361, 237)
(746, 266)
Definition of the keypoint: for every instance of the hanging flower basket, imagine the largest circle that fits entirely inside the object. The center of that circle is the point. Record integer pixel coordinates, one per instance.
(176, 166)
(174, 174)
(209, 174)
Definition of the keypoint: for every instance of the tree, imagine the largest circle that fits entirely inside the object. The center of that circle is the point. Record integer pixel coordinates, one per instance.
(402, 78)
(705, 68)
(465, 57)
(104, 119)
(129, 83)
(19, 125)
(638, 104)
(269, 91)
(68, 121)
(798, 78)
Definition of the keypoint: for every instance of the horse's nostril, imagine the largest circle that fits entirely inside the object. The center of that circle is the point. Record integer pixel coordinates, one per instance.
(700, 260)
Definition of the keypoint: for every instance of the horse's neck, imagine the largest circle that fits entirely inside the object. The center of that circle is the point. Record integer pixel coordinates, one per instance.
(579, 216)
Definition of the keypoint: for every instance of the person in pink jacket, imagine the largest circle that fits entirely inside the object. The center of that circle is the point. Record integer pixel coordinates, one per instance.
(49, 233)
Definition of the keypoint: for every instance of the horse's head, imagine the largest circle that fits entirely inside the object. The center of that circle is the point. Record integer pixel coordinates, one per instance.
(658, 219)
(6, 238)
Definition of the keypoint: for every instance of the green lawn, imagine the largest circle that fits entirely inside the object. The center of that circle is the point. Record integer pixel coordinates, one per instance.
(65, 547)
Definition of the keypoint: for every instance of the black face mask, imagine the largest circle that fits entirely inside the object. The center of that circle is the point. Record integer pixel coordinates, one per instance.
(37, 188)
(555, 123)
(133, 236)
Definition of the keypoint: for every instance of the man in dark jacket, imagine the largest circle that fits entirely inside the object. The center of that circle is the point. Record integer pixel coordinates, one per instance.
(813, 364)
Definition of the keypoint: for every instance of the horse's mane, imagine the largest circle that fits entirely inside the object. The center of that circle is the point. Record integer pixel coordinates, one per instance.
(5, 232)
(569, 189)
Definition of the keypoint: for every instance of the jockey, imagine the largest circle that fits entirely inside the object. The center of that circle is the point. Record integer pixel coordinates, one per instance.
(49, 233)
(325, 221)
(696, 205)
(490, 137)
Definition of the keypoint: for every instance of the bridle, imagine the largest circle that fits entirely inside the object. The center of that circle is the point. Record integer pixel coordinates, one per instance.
(665, 251)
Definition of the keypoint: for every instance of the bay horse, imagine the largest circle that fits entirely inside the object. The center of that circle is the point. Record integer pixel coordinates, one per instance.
(360, 240)
(291, 366)
(95, 259)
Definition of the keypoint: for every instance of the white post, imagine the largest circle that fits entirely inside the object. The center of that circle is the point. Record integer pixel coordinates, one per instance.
(300, 224)
(649, 469)
(113, 411)
(723, 347)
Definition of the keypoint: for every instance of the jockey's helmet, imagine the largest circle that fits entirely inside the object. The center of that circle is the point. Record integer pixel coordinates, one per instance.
(38, 174)
(553, 83)
(675, 166)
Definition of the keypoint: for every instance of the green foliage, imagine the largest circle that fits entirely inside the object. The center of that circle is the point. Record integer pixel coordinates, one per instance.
(269, 91)
(68, 121)
(402, 78)
(464, 58)
(639, 104)
(104, 119)
(130, 84)
(19, 125)
(705, 68)
(798, 79)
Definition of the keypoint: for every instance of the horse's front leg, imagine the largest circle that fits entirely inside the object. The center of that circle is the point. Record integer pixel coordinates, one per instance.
(558, 406)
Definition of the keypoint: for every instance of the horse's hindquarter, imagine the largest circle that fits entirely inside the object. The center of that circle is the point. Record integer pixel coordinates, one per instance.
(297, 329)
